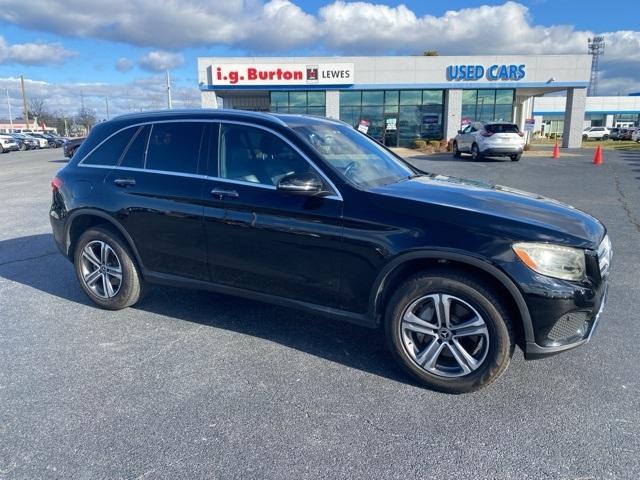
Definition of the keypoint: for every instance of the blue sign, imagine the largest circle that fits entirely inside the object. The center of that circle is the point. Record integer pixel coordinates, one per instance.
(479, 72)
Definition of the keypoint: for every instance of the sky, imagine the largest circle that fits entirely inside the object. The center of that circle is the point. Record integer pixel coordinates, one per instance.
(71, 51)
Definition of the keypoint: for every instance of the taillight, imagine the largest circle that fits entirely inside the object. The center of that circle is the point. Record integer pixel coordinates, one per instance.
(56, 183)
(486, 134)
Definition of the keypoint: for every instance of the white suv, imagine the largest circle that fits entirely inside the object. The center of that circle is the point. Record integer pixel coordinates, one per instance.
(596, 133)
(7, 143)
(498, 139)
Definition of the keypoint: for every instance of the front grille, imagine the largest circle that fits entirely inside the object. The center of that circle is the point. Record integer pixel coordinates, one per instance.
(571, 325)
(604, 256)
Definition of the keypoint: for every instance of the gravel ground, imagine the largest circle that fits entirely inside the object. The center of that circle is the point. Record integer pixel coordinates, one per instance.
(195, 385)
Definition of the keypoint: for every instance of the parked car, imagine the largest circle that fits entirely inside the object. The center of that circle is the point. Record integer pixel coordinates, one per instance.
(7, 143)
(25, 142)
(48, 142)
(635, 135)
(489, 139)
(57, 141)
(70, 146)
(41, 141)
(310, 213)
(614, 133)
(595, 133)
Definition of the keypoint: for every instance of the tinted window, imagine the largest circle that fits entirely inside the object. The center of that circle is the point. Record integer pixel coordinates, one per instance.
(255, 155)
(502, 128)
(110, 151)
(134, 155)
(175, 147)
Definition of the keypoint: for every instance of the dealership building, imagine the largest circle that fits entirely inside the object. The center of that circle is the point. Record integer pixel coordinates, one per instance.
(400, 99)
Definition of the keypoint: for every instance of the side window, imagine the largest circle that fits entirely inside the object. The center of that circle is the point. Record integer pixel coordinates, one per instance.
(255, 155)
(134, 155)
(110, 151)
(175, 147)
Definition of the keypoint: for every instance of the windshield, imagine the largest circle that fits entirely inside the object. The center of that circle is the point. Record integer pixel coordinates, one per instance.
(358, 158)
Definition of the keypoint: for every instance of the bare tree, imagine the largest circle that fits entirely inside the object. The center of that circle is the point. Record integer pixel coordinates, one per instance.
(187, 98)
(86, 117)
(430, 53)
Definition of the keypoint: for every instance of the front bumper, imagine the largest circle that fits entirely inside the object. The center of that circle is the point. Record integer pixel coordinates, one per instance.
(571, 330)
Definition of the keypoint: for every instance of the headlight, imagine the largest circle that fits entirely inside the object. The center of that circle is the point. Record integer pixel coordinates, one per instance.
(552, 260)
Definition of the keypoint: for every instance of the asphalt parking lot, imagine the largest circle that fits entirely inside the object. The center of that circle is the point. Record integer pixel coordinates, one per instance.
(195, 385)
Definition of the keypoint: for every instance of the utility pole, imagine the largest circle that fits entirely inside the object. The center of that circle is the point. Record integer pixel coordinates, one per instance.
(106, 99)
(24, 102)
(168, 91)
(10, 116)
(596, 48)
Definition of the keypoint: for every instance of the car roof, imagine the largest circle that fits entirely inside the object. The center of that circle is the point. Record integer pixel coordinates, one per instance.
(264, 118)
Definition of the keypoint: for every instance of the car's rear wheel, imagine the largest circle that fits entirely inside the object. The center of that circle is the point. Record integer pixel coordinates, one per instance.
(475, 152)
(515, 158)
(605, 137)
(449, 331)
(456, 150)
(106, 270)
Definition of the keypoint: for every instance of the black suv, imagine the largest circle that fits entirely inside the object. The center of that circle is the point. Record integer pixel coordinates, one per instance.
(310, 213)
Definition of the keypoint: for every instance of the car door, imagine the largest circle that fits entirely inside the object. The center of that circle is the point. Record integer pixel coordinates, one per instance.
(466, 138)
(155, 193)
(269, 242)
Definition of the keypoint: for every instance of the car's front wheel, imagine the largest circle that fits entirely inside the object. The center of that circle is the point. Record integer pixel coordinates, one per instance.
(106, 269)
(449, 331)
(516, 158)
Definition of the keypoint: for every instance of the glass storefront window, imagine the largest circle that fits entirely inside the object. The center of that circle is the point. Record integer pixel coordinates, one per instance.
(297, 99)
(312, 102)
(396, 118)
(351, 98)
(315, 99)
(432, 97)
(372, 97)
(487, 105)
(411, 97)
(504, 97)
(391, 97)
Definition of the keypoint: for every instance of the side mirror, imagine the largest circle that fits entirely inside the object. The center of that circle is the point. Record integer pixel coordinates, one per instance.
(304, 184)
(459, 131)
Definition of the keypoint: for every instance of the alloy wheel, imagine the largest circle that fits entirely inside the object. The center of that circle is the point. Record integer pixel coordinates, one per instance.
(101, 269)
(444, 335)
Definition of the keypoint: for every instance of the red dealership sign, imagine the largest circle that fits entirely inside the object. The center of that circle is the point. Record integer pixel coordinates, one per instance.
(282, 74)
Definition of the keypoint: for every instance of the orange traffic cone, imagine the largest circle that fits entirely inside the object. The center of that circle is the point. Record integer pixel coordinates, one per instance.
(597, 157)
(556, 151)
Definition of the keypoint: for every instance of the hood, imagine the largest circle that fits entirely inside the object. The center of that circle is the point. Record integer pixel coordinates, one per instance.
(554, 220)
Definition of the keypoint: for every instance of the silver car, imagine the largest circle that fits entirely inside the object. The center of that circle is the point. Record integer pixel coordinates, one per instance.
(489, 139)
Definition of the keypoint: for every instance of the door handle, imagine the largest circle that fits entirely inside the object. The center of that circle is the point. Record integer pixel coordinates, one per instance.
(221, 193)
(124, 182)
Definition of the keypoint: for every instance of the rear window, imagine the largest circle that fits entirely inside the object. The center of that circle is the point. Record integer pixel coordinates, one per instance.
(110, 151)
(502, 128)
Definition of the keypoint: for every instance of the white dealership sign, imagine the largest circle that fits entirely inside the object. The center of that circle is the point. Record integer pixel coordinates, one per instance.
(282, 74)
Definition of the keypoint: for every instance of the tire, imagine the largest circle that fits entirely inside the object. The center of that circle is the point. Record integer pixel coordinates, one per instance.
(476, 154)
(585, 137)
(121, 294)
(470, 297)
(456, 151)
(23, 147)
(515, 158)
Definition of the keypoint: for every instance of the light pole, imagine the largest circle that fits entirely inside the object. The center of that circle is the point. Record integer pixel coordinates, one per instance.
(10, 115)
(168, 91)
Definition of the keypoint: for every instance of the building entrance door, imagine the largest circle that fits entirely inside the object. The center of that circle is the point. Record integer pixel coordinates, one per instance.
(390, 130)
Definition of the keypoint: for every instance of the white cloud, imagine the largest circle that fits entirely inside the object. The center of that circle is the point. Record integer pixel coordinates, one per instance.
(340, 27)
(158, 61)
(123, 64)
(38, 53)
